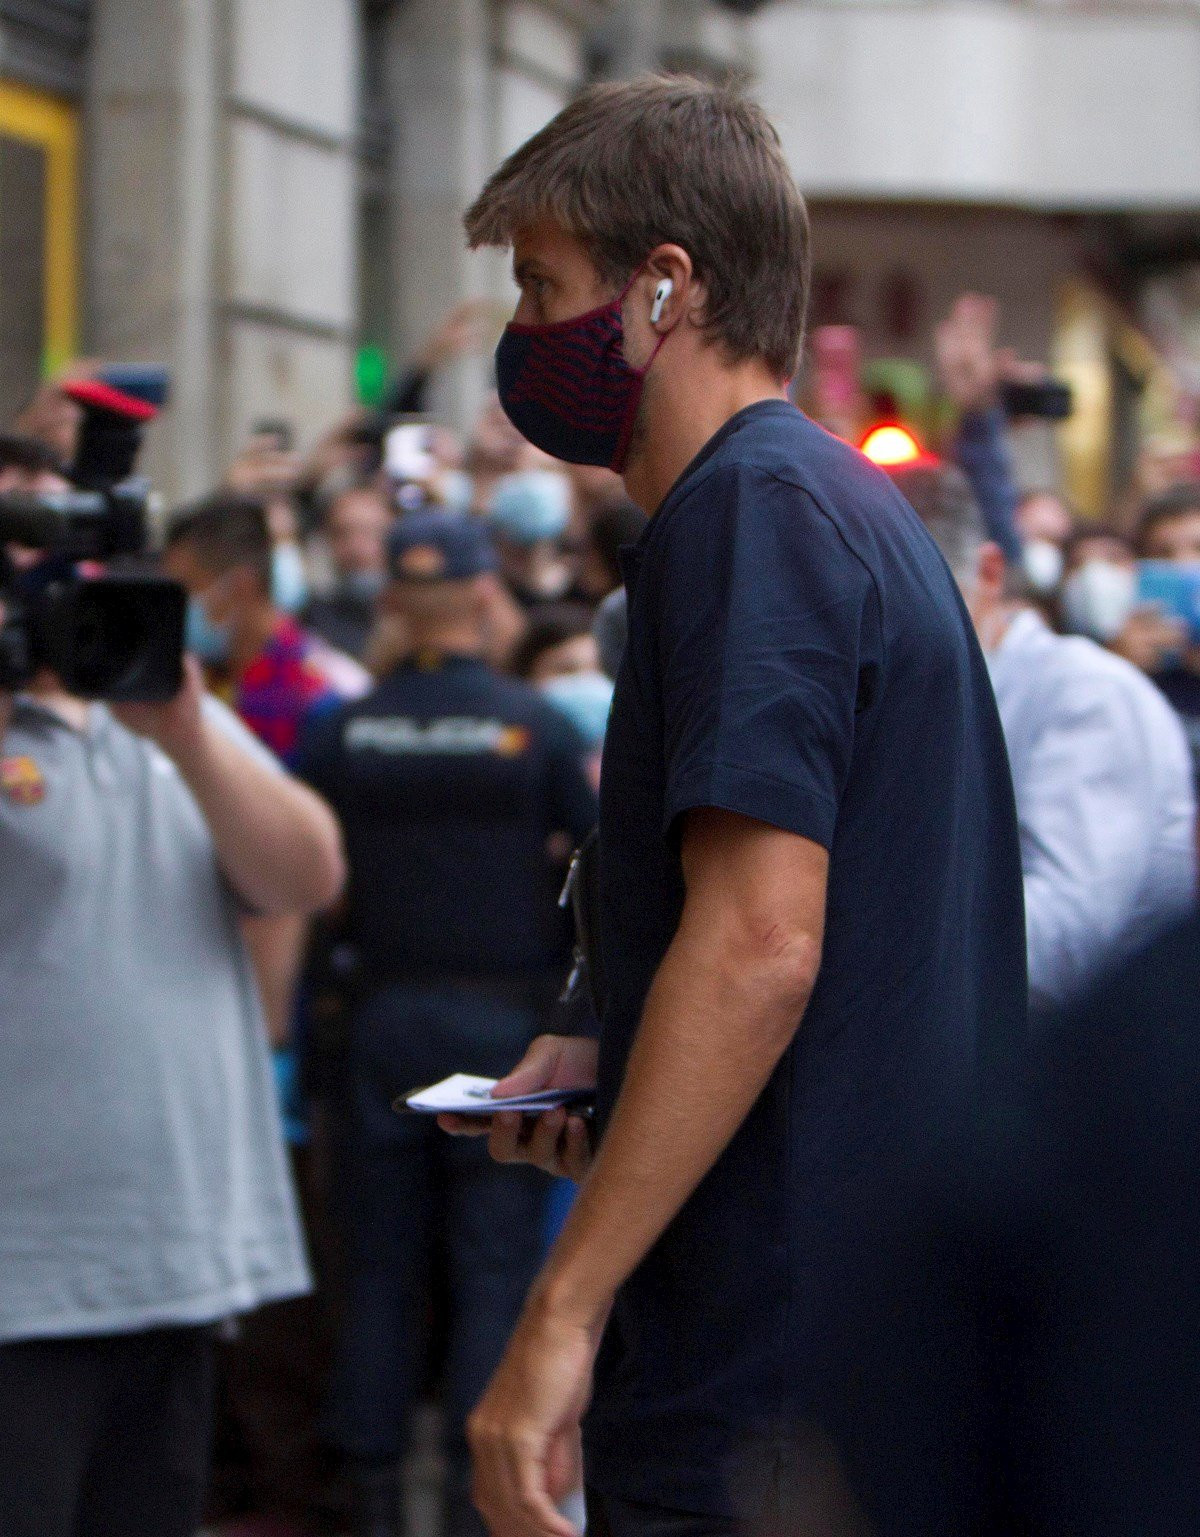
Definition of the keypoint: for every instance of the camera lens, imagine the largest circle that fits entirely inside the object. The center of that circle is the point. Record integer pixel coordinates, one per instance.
(120, 639)
(108, 641)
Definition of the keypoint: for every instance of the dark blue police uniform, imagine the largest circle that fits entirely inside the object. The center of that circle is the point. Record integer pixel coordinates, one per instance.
(798, 653)
(451, 783)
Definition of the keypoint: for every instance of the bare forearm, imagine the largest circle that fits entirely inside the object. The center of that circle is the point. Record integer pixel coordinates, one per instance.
(277, 842)
(713, 1030)
(276, 947)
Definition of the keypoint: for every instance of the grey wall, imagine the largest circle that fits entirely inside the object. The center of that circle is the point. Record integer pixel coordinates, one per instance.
(1036, 105)
(222, 215)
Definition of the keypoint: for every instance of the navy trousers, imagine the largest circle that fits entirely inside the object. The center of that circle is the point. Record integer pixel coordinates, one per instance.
(418, 1204)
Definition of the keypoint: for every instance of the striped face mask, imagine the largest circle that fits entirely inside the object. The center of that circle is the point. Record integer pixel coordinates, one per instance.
(567, 387)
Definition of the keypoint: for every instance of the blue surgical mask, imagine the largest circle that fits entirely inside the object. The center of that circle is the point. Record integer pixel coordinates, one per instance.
(209, 641)
(531, 506)
(585, 698)
(458, 491)
(289, 580)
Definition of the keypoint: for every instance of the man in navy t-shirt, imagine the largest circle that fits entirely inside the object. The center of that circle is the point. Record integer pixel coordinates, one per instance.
(811, 907)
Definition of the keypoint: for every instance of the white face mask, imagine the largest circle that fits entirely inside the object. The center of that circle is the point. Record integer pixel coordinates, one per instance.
(1043, 563)
(1098, 599)
(289, 578)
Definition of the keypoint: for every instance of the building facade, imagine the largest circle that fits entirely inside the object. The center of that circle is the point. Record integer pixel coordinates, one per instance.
(265, 193)
(1043, 151)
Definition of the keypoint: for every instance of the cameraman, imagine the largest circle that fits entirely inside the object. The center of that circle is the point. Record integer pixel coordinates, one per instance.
(145, 1191)
(26, 464)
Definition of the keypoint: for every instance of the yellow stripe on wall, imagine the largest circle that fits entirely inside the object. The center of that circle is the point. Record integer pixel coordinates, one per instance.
(53, 126)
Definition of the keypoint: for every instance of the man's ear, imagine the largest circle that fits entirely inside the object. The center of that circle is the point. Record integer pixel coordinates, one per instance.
(671, 262)
(991, 573)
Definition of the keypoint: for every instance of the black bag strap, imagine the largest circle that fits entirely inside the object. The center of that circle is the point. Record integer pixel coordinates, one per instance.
(582, 893)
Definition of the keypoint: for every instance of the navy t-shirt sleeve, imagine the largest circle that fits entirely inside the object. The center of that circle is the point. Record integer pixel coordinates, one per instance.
(762, 610)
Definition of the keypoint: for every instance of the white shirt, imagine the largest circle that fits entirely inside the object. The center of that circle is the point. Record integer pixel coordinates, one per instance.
(1105, 803)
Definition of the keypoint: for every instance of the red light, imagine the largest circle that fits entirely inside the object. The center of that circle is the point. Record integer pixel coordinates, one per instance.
(890, 445)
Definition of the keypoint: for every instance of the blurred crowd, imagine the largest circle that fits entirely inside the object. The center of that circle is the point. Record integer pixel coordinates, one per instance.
(557, 530)
(405, 589)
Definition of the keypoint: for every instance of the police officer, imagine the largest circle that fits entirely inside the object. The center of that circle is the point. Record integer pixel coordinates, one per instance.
(459, 791)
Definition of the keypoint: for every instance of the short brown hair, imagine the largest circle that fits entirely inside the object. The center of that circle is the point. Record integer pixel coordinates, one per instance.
(20, 451)
(224, 531)
(627, 167)
(1179, 502)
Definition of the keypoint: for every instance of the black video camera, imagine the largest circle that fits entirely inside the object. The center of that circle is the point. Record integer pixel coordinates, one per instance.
(117, 637)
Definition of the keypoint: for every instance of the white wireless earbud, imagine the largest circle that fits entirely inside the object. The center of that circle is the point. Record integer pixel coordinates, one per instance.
(661, 294)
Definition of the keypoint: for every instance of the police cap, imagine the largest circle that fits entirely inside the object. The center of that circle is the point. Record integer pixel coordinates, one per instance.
(436, 546)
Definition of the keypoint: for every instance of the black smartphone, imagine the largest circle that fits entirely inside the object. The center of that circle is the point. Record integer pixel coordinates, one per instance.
(1049, 399)
(281, 433)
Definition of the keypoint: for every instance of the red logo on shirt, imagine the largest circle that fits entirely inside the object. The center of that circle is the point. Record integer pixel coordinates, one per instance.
(513, 741)
(22, 781)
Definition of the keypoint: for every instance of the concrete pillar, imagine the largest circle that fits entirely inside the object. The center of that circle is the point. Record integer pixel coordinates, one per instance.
(439, 89)
(152, 153)
(700, 39)
(466, 83)
(222, 228)
(289, 318)
(636, 38)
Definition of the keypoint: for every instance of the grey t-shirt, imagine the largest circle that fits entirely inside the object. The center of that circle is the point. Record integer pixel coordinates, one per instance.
(143, 1179)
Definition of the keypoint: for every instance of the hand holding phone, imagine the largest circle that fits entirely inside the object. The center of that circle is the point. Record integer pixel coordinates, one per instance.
(1149, 637)
(1047, 399)
(558, 1141)
(1173, 587)
(408, 452)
